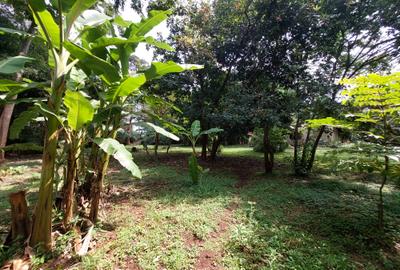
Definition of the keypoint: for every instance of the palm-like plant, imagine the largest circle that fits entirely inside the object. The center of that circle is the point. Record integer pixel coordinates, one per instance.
(193, 135)
(85, 39)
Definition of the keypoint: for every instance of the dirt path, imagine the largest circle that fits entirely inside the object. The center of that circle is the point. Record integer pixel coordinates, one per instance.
(244, 168)
(211, 249)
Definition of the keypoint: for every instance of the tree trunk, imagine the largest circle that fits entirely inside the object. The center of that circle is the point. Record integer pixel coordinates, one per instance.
(214, 149)
(296, 143)
(204, 143)
(305, 150)
(268, 151)
(129, 131)
(380, 204)
(169, 146)
(146, 149)
(314, 149)
(20, 223)
(157, 142)
(8, 109)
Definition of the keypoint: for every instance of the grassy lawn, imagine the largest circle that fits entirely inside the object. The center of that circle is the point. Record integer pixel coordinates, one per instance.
(267, 222)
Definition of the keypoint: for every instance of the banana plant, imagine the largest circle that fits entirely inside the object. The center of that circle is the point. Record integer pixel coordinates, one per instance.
(159, 111)
(193, 135)
(54, 31)
(80, 113)
(88, 40)
(104, 46)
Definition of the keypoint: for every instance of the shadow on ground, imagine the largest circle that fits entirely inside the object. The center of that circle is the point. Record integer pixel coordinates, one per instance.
(290, 222)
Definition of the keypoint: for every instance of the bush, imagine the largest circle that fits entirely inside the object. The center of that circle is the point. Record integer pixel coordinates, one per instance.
(278, 137)
(23, 148)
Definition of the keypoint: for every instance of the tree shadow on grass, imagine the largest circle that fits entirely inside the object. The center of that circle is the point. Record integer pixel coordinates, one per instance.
(318, 223)
(340, 216)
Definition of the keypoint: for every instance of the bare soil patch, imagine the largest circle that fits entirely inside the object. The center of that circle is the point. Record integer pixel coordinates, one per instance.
(244, 168)
(207, 260)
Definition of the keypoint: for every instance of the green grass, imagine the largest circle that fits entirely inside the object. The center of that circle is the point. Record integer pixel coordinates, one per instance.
(273, 222)
(276, 223)
(175, 211)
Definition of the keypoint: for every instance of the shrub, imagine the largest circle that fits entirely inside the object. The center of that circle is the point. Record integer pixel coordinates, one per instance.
(23, 148)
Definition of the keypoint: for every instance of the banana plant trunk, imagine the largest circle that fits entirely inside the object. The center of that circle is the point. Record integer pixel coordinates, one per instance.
(85, 188)
(41, 230)
(69, 191)
(98, 180)
(97, 188)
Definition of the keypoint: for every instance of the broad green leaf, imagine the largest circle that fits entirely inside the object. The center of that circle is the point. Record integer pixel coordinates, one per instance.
(109, 41)
(92, 18)
(176, 128)
(103, 114)
(80, 110)
(5, 85)
(47, 112)
(96, 64)
(4, 101)
(124, 52)
(128, 86)
(22, 120)
(4, 30)
(89, 34)
(76, 78)
(163, 132)
(45, 21)
(120, 153)
(76, 10)
(25, 87)
(14, 64)
(114, 53)
(159, 69)
(147, 24)
(195, 128)
(65, 4)
(159, 44)
(121, 22)
(211, 131)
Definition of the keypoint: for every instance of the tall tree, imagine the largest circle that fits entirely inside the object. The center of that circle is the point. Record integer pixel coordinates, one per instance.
(21, 19)
(352, 38)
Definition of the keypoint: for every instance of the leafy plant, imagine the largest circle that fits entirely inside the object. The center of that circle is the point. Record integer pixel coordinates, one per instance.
(374, 113)
(23, 147)
(193, 135)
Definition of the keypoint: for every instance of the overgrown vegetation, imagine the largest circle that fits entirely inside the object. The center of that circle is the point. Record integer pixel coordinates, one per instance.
(92, 88)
